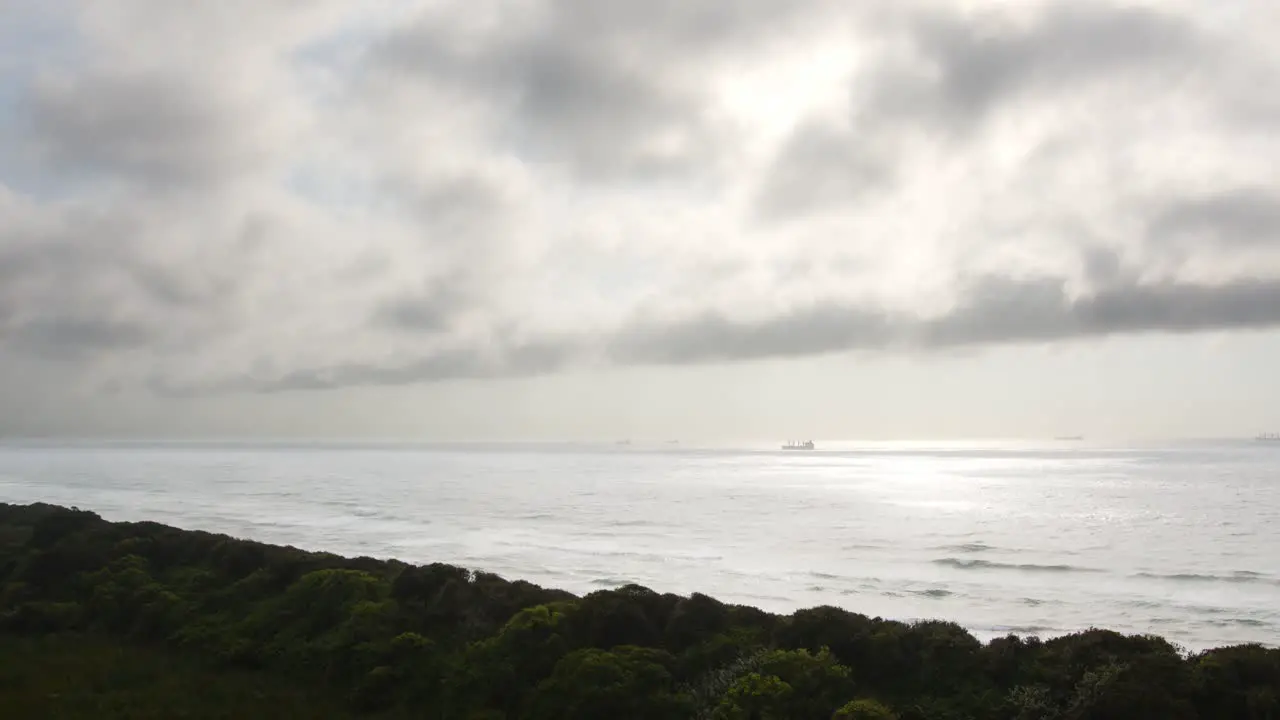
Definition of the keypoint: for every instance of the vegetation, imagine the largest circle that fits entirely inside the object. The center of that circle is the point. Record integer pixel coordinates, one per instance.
(101, 619)
(79, 676)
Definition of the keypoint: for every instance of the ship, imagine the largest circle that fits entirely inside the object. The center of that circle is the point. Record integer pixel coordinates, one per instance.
(1268, 437)
(794, 445)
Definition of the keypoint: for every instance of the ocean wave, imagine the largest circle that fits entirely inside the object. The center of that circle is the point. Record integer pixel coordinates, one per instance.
(1187, 611)
(1239, 622)
(962, 564)
(754, 597)
(631, 523)
(1239, 576)
(1024, 630)
(826, 580)
(973, 547)
(571, 549)
(610, 582)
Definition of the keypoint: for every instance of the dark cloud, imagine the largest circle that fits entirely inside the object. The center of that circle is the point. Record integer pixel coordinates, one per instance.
(822, 166)
(563, 103)
(92, 284)
(711, 337)
(519, 359)
(156, 129)
(75, 338)
(996, 311)
(1239, 218)
(432, 311)
(972, 64)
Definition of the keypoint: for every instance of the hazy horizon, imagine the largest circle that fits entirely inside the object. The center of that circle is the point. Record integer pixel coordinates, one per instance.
(568, 219)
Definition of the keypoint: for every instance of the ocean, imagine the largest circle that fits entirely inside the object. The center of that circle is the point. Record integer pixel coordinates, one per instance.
(1182, 540)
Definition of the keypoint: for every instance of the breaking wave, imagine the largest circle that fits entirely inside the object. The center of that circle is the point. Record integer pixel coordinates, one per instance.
(962, 564)
(1239, 576)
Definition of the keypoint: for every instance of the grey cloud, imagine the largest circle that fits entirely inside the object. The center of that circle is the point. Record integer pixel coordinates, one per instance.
(465, 223)
(155, 129)
(975, 63)
(598, 85)
(74, 338)
(466, 214)
(996, 311)
(821, 166)
(91, 284)
(1237, 218)
(562, 102)
(454, 199)
(712, 337)
(531, 357)
(432, 311)
(1182, 307)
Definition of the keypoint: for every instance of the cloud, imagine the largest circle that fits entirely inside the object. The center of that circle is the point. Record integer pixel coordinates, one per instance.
(267, 198)
(523, 359)
(156, 129)
(597, 87)
(431, 311)
(968, 65)
(821, 166)
(69, 337)
(712, 337)
(998, 311)
(1007, 311)
(947, 74)
(1239, 217)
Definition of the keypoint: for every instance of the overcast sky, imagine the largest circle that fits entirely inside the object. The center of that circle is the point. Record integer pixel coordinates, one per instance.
(587, 219)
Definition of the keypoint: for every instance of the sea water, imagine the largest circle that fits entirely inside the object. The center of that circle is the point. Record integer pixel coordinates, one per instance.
(1181, 540)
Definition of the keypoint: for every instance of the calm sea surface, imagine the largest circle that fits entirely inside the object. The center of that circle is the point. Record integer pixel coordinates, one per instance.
(1182, 541)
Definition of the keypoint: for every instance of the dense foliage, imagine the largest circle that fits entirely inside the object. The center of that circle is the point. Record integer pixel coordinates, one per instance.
(83, 676)
(436, 641)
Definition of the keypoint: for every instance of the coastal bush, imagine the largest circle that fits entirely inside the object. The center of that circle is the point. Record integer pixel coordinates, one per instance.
(384, 638)
(864, 709)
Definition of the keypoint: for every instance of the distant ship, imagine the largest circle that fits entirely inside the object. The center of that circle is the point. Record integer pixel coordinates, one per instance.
(1072, 438)
(793, 445)
(1269, 437)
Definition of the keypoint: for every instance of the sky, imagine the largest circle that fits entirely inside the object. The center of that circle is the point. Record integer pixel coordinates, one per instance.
(680, 219)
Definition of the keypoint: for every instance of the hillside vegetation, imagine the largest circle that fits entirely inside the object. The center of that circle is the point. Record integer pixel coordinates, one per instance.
(102, 619)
